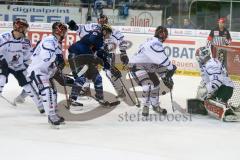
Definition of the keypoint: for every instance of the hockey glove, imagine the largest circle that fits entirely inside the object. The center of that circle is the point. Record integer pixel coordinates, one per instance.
(115, 72)
(3, 65)
(168, 82)
(60, 61)
(72, 25)
(170, 73)
(124, 58)
(104, 56)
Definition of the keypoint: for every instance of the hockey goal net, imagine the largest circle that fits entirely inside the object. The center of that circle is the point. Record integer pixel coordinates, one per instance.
(230, 56)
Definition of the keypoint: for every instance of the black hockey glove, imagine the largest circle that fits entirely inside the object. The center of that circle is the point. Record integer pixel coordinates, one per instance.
(124, 58)
(168, 82)
(60, 63)
(170, 73)
(3, 65)
(72, 25)
(104, 56)
(115, 72)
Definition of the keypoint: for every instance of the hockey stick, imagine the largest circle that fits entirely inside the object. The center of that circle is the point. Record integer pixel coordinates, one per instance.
(64, 87)
(138, 102)
(172, 100)
(8, 101)
(127, 92)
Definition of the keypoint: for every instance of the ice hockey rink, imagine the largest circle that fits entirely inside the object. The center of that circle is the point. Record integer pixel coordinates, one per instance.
(26, 135)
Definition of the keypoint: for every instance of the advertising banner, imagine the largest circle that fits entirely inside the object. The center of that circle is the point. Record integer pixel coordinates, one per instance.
(180, 48)
(47, 14)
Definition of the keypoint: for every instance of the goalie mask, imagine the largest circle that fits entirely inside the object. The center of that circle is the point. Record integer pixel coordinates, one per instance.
(203, 54)
(59, 29)
(20, 25)
(161, 33)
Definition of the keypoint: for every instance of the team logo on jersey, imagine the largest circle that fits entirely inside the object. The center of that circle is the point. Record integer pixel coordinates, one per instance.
(15, 58)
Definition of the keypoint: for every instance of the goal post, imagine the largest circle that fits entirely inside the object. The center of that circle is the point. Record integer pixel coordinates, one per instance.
(230, 56)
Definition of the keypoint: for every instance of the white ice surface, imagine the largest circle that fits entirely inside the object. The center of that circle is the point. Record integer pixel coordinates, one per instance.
(26, 135)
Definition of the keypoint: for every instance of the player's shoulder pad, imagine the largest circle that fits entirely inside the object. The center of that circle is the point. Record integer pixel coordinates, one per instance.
(117, 34)
(213, 66)
(156, 45)
(4, 37)
(26, 41)
(50, 43)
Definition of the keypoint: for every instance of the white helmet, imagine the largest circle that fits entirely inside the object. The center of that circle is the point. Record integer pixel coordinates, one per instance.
(202, 54)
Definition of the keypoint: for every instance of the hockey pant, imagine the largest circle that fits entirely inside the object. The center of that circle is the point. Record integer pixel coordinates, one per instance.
(23, 81)
(150, 85)
(48, 93)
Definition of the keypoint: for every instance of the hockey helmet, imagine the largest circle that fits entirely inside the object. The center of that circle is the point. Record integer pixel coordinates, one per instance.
(60, 29)
(102, 19)
(161, 33)
(107, 28)
(202, 54)
(221, 20)
(20, 25)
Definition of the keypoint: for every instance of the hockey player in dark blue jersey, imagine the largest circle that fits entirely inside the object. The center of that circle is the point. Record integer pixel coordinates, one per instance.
(84, 56)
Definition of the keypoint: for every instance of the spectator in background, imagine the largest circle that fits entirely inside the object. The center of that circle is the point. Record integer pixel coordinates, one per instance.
(219, 36)
(187, 24)
(170, 23)
(109, 3)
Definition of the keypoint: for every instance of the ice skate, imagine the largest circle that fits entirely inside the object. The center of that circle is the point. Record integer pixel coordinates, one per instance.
(145, 111)
(100, 99)
(55, 121)
(159, 110)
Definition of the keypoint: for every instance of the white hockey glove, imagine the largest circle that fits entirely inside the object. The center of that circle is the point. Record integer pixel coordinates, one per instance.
(202, 92)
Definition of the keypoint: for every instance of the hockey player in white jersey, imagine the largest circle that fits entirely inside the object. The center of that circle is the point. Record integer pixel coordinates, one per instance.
(216, 87)
(115, 41)
(47, 59)
(14, 58)
(147, 64)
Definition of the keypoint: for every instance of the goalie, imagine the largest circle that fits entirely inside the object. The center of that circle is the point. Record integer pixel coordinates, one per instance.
(215, 89)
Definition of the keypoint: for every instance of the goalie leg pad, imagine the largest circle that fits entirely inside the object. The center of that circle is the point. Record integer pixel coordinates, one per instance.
(115, 81)
(215, 109)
